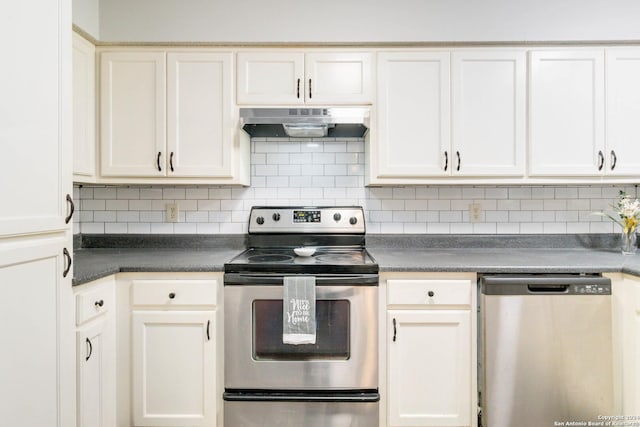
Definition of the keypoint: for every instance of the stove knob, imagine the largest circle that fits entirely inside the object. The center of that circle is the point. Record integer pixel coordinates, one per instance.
(353, 220)
(276, 216)
(337, 217)
(260, 220)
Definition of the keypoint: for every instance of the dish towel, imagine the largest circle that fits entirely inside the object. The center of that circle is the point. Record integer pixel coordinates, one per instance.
(299, 310)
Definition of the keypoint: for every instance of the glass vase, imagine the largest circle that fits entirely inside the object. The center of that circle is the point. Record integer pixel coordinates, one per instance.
(629, 243)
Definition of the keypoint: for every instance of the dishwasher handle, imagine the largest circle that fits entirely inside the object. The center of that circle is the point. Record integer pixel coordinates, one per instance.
(553, 289)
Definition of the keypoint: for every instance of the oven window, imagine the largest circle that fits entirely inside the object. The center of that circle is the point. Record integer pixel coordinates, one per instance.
(332, 332)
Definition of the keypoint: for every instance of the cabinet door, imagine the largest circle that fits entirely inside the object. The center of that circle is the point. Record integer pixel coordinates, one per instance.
(489, 113)
(174, 368)
(623, 111)
(132, 113)
(566, 112)
(84, 110)
(35, 116)
(199, 119)
(338, 78)
(37, 360)
(96, 374)
(270, 78)
(413, 115)
(429, 368)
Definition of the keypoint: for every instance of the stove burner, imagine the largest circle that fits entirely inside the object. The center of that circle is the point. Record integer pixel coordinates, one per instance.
(269, 258)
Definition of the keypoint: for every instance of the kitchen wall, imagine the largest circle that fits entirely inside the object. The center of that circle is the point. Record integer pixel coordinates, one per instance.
(290, 21)
(301, 172)
(86, 15)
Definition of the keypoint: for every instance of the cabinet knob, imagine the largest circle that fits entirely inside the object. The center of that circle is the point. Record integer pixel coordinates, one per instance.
(172, 295)
(431, 294)
(99, 303)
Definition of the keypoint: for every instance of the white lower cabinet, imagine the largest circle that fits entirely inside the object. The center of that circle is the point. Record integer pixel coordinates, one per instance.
(173, 366)
(95, 350)
(36, 326)
(626, 342)
(431, 352)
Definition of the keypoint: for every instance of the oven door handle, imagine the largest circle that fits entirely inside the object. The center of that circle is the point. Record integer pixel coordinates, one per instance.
(276, 279)
(310, 396)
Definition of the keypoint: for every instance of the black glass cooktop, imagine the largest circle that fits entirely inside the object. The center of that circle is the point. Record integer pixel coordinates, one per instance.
(326, 260)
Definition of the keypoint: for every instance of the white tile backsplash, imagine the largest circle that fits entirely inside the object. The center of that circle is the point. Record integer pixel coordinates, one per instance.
(301, 172)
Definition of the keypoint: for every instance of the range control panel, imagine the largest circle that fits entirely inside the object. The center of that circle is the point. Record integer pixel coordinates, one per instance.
(322, 220)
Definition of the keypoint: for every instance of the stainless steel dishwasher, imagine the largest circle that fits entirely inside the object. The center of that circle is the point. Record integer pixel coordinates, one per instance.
(545, 350)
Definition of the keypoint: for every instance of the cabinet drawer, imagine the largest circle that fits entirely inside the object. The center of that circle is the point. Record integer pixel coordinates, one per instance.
(429, 292)
(93, 303)
(174, 292)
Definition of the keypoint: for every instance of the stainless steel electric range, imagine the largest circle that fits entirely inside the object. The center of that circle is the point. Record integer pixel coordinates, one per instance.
(331, 382)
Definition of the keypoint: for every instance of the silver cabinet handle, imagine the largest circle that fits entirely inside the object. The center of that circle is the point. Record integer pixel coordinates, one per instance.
(614, 159)
(458, 156)
(395, 330)
(600, 160)
(67, 256)
(88, 341)
(446, 160)
(72, 208)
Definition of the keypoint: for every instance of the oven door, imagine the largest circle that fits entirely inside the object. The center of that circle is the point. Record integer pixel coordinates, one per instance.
(345, 356)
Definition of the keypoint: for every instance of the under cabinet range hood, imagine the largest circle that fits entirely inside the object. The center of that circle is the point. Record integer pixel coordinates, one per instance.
(333, 122)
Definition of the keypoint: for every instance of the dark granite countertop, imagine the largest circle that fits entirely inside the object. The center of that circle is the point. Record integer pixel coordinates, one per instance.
(495, 254)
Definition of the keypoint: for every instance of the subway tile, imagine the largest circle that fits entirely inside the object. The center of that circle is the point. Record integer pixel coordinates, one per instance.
(128, 216)
(258, 159)
(473, 193)
(335, 170)
(349, 158)
(127, 193)
(543, 193)
(173, 193)
(301, 159)
(392, 205)
(589, 192)
(188, 205)
(531, 228)
(139, 205)
(543, 216)
(151, 193)
(116, 228)
(450, 216)
(391, 227)
(220, 193)
(117, 205)
(197, 193)
(151, 216)
(266, 170)
(427, 216)
(415, 228)
(312, 170)
(277, 159)
(416, 205)
(347, 181)
(450, 193)
(323, 181)
(92, 205)
(138, 228)
(185, 228)
(162, 228)
(438, 228)
(105, 193)
(277, 181)
(104, 216)
(197, 216)
(507, 228)
(578, 204)
(496, 193)
(426, 193)
(404, 193)
(403, 216)
(532, 205)
(439, 205)
(554, 228)
(335, 147)
(485, 228)
(520, 193)
(324, 158)
(288, 147)
(555, 205)
(520, 216)
(461, 228)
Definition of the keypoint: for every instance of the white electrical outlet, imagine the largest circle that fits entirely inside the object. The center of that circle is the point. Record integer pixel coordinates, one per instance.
(475, 212)
(172, 212)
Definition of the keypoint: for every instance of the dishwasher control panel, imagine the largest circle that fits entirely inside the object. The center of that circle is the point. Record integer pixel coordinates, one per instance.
(593, 289)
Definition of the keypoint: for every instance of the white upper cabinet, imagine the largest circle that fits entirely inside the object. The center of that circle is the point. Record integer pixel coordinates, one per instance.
(170, 116)
(199, 119)
(132, 99)
(488, 112)
(413, 118)
(84, 110)
(443, 114)
(35, 121)
(623, 111)
(295, 78)
(270, 78)
(566, 112)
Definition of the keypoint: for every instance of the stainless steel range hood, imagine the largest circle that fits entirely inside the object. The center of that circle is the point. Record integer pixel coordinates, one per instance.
(334, 122)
